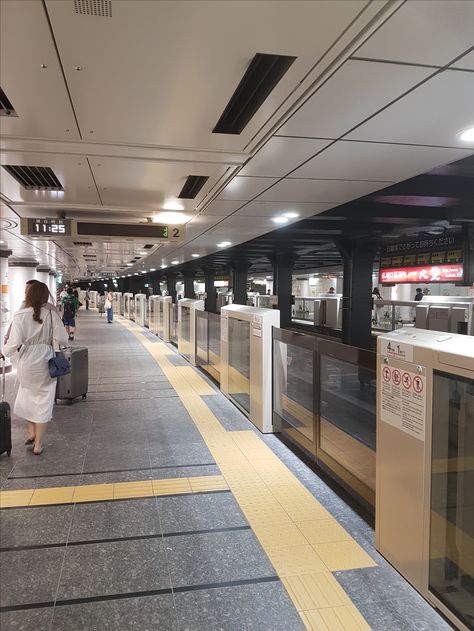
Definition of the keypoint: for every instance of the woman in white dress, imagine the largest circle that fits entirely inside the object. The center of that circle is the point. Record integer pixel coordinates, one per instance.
(33, 332)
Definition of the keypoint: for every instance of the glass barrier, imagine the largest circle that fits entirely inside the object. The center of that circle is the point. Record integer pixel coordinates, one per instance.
(451, 565)
(208, 343)
(325, 402)
(239, 362)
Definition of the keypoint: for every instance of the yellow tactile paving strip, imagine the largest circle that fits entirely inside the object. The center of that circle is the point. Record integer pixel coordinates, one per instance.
(301, 538)
(112, 491)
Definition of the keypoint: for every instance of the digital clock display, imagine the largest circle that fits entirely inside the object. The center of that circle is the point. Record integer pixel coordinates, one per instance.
(49, 227)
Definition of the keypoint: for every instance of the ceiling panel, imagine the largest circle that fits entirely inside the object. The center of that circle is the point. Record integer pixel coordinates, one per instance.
(150, 184)
(246, 188)
(39, 95)
(174, 44)
(222, 208)
(357, 90)
(279, 156)
(73, 173)
(433, 114)
(364, 161)
(335, 191)
(267, 209)
(424, 32)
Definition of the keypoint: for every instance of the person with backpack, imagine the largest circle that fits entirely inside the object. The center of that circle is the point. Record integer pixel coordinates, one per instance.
(70, 305)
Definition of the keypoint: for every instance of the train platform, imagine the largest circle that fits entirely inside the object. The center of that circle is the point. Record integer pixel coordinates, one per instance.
(157, 505)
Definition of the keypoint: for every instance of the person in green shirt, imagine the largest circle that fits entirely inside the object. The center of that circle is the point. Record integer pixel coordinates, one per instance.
(70, 305)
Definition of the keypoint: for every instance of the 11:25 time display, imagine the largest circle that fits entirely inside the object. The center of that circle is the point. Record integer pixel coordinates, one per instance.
(49, 226)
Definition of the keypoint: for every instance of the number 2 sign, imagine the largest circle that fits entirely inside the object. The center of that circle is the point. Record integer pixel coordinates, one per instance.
(176, 233)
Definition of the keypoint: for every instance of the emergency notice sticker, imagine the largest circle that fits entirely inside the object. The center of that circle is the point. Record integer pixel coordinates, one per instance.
(403, 399)
(396, 350)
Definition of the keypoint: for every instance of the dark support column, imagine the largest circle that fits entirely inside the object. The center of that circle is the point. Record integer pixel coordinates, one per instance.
(211, 295)
(469, 251)
(156, 285)
(171, 285)
(189, 284)
(239, 271)
(358, 261)
(283, 264)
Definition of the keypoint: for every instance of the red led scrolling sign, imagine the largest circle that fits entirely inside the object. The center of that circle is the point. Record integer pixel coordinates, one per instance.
(426, 274)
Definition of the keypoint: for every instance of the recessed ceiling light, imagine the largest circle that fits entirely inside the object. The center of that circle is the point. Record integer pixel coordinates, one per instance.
(174, 262)
(291, 215)
(163, 266)
(135, 273)
(224, 244)
(195, 256)
(280, 220)
(129, 264)
(171, 217)
(467, 135)
(152, 269)
(143, 253)
(173, 205)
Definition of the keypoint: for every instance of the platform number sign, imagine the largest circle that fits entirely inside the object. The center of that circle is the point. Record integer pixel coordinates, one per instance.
(396, 350)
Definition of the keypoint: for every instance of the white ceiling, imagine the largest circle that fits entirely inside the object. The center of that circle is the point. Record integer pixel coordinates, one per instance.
(364, 105)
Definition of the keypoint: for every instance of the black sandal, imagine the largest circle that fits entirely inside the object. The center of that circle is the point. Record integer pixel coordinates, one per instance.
(29, 441)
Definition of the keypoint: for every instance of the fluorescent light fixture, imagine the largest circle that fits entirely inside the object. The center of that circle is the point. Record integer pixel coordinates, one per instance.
(164, 266)
(291, 215)
(129, 264)
(135, 273)
(174, 262)
(143, 253)
(173, 218)
(195, 256)
(128, 275)
(173, 205)
(152, 269)
(467, 135)
(280, 220)
(224, 244)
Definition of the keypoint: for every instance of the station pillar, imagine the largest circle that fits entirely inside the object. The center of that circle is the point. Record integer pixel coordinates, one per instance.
(211, 295)
(239, 271)
(283, 264)
(189, 284)
(469, 263)
(42, 274)
(19, 271)
(358, 260)
(52, 284)
(171, 286)
(5, 313)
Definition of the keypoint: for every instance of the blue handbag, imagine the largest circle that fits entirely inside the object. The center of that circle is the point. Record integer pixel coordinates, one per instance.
(58, 365)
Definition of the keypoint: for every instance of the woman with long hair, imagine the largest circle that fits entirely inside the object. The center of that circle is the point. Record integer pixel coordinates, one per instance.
(34, 331)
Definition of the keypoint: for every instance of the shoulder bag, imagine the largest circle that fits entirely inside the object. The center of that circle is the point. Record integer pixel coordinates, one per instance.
(58, 365)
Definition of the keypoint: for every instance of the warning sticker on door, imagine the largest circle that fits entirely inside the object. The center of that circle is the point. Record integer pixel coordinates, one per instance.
(396, 350)
(403, 400)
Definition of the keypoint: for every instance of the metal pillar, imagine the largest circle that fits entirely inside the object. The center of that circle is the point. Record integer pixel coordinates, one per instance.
(171, 285)
(211, 295)
(283, 264)
(239, 271)
(358, 260)
(189, 284)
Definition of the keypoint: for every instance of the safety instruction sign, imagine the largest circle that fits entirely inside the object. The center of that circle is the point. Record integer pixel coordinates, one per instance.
(403, 399)
(396, 350)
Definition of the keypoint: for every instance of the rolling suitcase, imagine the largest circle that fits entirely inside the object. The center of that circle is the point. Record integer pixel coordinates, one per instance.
(5, 420)
(76, 383)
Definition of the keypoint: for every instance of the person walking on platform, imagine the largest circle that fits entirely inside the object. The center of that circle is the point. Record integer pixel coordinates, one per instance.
(88, 298)
(70, 306)
(109, 306)
(101, 304)
(34, 331)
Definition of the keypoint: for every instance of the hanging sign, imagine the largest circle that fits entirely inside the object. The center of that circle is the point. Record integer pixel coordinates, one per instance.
(403, 399)
(429, 274)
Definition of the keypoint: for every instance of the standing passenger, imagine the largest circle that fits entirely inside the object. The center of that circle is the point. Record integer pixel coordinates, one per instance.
(419, 294)
(88, 298)
(35, 329)
(109, 302)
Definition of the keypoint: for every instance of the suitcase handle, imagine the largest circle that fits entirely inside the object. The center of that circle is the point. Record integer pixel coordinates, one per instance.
(3, 378)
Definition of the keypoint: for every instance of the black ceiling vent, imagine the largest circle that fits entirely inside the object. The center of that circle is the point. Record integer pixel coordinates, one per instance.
(6, 108)
(148, 246)
(35, 178)
(192, 186)
(262, 75)
(99, 8)
(84, 243)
